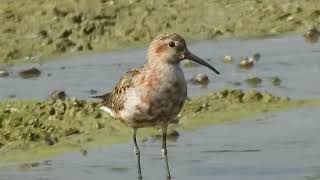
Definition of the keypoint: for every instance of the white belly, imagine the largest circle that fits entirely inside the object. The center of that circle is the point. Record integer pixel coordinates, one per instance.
(145, 106)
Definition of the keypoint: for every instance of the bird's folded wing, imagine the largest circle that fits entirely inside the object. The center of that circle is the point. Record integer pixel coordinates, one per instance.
(115, 99)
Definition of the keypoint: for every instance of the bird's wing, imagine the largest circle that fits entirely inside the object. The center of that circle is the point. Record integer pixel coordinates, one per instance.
(115, 99)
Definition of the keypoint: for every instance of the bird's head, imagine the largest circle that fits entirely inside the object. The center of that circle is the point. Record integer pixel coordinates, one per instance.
(172, 48)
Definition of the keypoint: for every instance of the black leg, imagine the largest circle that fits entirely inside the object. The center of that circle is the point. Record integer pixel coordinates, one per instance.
(137, 152)
(164, 150)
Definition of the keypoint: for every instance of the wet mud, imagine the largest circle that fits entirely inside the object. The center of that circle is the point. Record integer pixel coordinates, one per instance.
(38, 30)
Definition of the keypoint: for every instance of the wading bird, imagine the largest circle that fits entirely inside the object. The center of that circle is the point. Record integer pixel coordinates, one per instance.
(153, 95)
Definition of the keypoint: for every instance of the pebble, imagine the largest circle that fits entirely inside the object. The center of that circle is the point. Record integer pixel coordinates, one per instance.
(253, 81)
(246, 63)
(276, 81)
(256, 56)
(56, 94)
(227, 59)
(30, 73)
(200, 78)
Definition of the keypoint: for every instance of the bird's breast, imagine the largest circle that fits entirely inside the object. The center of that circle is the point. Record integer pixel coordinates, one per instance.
(166, 94)
(158, 96)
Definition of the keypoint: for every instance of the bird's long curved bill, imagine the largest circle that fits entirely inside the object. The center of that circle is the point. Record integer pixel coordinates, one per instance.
(196, 59)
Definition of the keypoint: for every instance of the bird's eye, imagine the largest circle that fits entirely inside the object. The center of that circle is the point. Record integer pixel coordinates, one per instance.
(171, 44)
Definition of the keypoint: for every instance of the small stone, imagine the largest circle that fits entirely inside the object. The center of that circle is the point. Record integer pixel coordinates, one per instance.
(246, 63)
(30, 73)
(253, 81)
(276, 81)
(93, 91)
(228, 59)
(256, 56)
(201, 79)
(57, 94)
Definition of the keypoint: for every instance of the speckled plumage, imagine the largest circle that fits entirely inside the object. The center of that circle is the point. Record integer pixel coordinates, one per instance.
(154, 94)
(150, 96)
(115, 100)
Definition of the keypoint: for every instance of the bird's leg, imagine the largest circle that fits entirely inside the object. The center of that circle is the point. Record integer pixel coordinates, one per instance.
(164, 149)
(137, 152)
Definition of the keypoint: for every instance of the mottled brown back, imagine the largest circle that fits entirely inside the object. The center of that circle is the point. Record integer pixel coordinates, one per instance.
(115, 99)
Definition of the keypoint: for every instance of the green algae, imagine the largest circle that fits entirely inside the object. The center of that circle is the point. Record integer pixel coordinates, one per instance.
(38, 30)
(31, 130)
(229, 106)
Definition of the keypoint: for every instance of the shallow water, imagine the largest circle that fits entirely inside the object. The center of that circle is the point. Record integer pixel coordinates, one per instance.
(288, 57)
(283, 146)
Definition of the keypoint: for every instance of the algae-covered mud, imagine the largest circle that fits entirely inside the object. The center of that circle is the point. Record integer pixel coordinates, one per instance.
(32, 130)
(33, 30)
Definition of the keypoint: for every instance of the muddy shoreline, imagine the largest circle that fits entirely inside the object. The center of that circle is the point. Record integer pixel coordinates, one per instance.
(36, 129)
(38, 30)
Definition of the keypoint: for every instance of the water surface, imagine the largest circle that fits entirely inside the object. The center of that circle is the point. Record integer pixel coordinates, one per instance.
(276, 146)
(288, 57)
